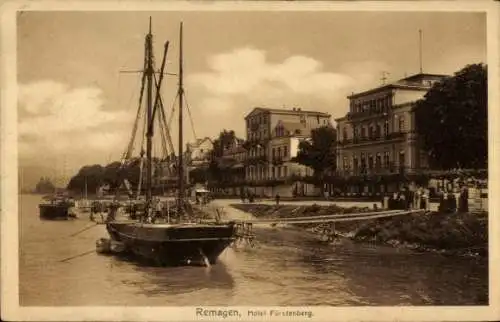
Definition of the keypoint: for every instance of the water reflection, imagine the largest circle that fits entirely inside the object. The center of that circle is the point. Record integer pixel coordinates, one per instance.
(179, 280)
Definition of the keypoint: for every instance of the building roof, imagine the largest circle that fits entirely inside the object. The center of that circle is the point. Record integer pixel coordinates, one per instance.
(421, 76)
(414, 82)
(297, 111)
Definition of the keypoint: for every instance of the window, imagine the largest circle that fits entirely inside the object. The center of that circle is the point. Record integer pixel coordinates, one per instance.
(346, 165)
(363, 132)
(285, 171)
(285, 151)
(401, 159)
(317, 118)
(279, 154)
(378, 161)
(274, 153)
(386, 159)
(378, 131)
(401, 123)
(386, 128)
(344, 134)
(355, 163)
(370, 161)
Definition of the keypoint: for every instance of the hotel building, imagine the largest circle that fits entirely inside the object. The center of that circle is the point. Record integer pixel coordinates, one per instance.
(377, 138)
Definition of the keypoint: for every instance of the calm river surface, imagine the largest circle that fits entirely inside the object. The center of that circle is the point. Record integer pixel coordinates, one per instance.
(286, 268)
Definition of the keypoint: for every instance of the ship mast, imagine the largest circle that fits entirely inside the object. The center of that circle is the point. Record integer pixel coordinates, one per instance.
(149, 102)
(181, 161)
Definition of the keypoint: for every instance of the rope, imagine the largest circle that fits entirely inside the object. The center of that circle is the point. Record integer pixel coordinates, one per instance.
(79, 255)
(190, 116)
(173, 111)
(130, 146)
(139, 184)
(331, 218)
(166, 133)
(82, 230)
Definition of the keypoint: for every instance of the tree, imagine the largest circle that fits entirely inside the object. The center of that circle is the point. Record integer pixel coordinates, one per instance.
(319, 153)
(45, 186)
(92, 175)
(215, 169)
(223, 141)
(451, 120)
(198, 175)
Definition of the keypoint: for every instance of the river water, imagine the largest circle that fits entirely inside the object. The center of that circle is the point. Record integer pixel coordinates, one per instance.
(287, 267)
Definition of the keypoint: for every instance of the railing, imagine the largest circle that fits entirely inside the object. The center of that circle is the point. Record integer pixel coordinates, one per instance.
(358, 140)
(368, 113)
(377, 170)
(261, 159)
(278, 161)
(251, 143)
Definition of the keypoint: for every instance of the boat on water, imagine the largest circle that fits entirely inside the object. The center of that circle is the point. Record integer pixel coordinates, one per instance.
(180, 238)
(56, 207)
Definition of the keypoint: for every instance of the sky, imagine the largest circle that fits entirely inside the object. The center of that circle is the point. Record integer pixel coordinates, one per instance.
(76, 108)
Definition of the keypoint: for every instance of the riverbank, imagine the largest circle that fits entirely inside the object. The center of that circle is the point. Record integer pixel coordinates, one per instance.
(458, 234)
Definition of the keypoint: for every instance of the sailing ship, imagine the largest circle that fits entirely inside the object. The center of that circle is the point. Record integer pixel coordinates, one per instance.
(180, 239)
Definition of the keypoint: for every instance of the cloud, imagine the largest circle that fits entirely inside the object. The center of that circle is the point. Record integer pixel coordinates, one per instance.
(57, 121)
(243, 78)
(246, 70)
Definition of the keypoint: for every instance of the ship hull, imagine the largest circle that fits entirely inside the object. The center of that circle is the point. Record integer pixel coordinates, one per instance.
(54, 212)
(173, 245)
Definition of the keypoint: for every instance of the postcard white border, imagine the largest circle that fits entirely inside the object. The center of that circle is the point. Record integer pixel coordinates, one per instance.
(10, 308)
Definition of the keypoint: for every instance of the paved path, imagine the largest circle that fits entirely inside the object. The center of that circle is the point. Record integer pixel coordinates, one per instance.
(346, 204)
(231, 212)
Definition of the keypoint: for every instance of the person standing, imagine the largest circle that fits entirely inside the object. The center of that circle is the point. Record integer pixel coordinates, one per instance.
(277, 199)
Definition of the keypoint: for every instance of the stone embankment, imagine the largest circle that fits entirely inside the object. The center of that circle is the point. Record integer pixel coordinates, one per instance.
(463, 234)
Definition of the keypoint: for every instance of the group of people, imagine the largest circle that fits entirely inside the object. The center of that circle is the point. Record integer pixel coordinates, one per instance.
(454, 201)
(247, 195)
(410, 199)
(449, 201)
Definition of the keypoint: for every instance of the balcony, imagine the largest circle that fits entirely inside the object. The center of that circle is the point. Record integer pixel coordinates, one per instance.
(391, 168)
(372, 112)
(253, 143)
(278, 161)
(372, 139)
(262, 159)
